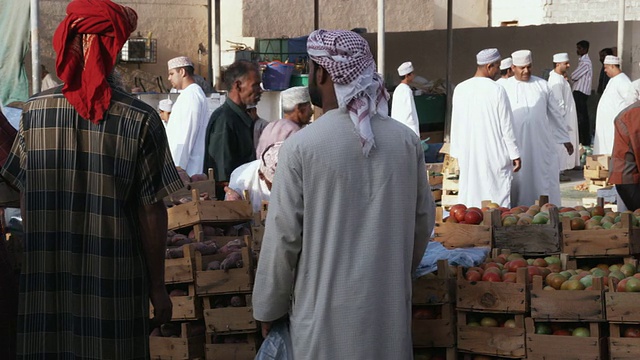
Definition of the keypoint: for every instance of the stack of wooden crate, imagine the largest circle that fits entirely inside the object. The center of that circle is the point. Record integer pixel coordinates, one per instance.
(208, 305)
(624, 323)
(484, 301)
(451, 174)
(596, 172)
(434, 319)
(434, 174)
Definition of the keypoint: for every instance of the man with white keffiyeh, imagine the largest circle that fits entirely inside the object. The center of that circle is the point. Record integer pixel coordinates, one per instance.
(349, 216)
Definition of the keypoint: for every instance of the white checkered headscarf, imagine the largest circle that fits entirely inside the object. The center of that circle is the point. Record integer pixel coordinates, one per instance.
(359, 88)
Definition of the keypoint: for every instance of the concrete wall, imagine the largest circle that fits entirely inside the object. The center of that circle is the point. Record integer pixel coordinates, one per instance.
(427, 49)
(178, 27)
(466, 14)
(525, 12)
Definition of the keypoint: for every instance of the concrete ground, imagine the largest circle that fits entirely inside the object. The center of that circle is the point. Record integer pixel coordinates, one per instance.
(572, 197)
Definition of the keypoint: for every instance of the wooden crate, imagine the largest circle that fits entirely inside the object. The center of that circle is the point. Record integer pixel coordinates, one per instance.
(198, 212)
(604, 242)
(184, 347)
(441, 289)
(450, 184)
(622, 348)
(493, 341)
(449, 353)
(598, 162)
(448, 199)
(567, 305)
(205, 186)
(230, 320)
(596, 174)
(453, 235)
(187, 307)
(622, 307)
(434, 168)
(436, 194)
(435, 180)
(257, 233)
(450, 166)
(529, 240)
(556, 347)
(439, 332)
(264, 208)
(180, 270)
(494, 296)
(234, 351)
(217, 282)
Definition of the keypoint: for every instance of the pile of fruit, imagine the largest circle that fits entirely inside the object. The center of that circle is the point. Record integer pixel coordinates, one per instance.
(563, 329)
(459, 213)
(503, 268)
(597, 218)
(491, 320)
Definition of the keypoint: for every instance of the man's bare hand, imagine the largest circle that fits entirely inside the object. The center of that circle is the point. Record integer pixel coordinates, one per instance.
(569, 148)
(517, 164)
(162, 306)
(231, 195)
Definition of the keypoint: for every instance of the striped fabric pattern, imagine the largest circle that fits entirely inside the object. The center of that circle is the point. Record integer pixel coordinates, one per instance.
(84, 286)
(583, 75)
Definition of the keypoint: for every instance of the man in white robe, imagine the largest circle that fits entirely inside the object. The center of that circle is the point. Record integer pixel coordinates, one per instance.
(482, 136)
(403, 107)
(349, 216)
(505, 70)
(188, 120)
(614, 99)
(562, 93)
(538, 125)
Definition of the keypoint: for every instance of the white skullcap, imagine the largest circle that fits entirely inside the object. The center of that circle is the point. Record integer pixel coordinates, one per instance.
(165, 105)
(506, 63)
(294, 96)
(521, 57)
(487, 56)
(269, 161)
(560, 57)
(612, 60)
(180, 61)
(405, 68)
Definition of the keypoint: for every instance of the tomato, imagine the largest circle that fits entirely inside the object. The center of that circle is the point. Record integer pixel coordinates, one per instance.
(632, 332)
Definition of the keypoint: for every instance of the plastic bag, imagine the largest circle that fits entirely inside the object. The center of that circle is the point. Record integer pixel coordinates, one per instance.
(277, 345)
(456, 257)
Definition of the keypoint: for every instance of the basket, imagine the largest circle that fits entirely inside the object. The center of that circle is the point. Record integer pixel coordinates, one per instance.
(277, 75)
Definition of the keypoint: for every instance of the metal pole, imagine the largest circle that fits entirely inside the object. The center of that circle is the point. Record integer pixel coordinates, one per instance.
(621, 4)
(209, 45)
(35, 47)
(447, 121)
(381, 38)
(215, 48)
(316, 14)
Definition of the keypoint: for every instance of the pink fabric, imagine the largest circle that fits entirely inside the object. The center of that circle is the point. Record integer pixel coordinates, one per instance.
(359, 88)
(87, 43)
(269, 161)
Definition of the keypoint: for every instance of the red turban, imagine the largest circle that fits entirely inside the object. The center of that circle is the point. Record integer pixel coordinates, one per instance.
(87, 43)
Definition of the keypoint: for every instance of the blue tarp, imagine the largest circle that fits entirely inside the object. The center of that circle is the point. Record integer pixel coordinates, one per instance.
(14, 43)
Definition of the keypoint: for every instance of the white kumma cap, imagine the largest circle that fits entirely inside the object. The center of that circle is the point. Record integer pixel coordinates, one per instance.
(560, 57)
(521, 57)
(487, 56)
(405, 68)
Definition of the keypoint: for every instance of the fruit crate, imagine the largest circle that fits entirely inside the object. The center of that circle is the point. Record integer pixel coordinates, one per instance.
(508, 342)
(224, 317)
(435, 289)
(621, 307)
(433, 326)
(185, 307)
(567, 305)
(203, 187)
(186, 346)
(231, 281)
(257, 233)
(623, 347)
(529, 240)
(449, 353)
(181, 270)
(494, 296)
(558, 347)
(448, 198)
(198, 212)
(454, 235)
(602, 242)
(241, 347)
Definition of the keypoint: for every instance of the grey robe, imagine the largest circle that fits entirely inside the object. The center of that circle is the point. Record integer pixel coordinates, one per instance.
(364, 220)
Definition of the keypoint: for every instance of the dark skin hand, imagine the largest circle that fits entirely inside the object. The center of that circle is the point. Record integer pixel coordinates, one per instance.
(517, 164)
(569, 148)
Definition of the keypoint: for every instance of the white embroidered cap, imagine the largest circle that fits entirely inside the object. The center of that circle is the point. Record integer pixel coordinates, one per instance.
(405, 68)
(506, 63)
(487, 56)
(521, 57)
(180, 61)
(560, 57)
(611, 60)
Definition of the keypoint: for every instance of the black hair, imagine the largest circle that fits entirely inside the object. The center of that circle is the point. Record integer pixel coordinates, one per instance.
(189, 70)
(607, 51)
(583, 44)
(237, 70)
(505, 71)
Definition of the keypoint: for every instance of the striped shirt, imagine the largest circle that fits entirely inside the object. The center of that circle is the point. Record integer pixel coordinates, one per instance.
(582, 75)
(84, 284)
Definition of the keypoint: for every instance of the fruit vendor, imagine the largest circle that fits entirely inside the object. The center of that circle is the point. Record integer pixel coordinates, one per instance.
(625, 159)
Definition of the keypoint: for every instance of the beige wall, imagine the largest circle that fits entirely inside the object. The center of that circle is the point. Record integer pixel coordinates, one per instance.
(178, 27)
(427, 49)
(466, 14)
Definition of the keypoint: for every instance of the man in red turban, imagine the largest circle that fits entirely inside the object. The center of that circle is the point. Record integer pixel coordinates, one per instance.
(94, 220)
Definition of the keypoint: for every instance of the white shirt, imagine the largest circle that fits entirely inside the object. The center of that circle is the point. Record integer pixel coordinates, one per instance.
(539, 126)
(403, 107)
(48, 83)
(186, 129)
(562, 93)
(501, 81)
(634, 92)
(483, 141)
(245, 177)
(613, 100)
(582, 75)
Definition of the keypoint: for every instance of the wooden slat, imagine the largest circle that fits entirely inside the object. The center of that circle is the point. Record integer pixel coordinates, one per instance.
(554, 347)
(595, 174)
(567, 305)
(439, 290)
(621, 348)
(453, 235)
(217, 282)
(622, 307)
(604, 242)
(180, 270)
(181, 348)
(598, 162)
(530, 240)
(450, 184)
(231, 351)
(494, 341)
(208, 211)
(493, 296)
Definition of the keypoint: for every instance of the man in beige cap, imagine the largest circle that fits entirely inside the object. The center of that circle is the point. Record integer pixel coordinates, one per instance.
(505, 70)
(297, 109)
(403, 107)
(613, 100)
(562, 93)
(188, 121)
(482, 136)
(538, 125)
